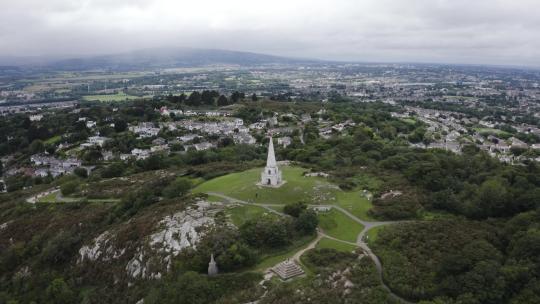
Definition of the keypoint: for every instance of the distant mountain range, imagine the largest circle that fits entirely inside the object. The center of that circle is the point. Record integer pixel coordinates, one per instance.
(155, 58)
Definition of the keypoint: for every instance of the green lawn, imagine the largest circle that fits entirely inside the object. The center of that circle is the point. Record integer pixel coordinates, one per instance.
(368, 182)
(120, 96)
(490, 131)
(333, 244)
(243, 186)
(278, 208)
(356, 203)
(215, 199)
(53, 139)
(239, 215)
(49, 198)
(435, 215)
(314, 190)
(409, 120)
(372, 234)
(338, 225)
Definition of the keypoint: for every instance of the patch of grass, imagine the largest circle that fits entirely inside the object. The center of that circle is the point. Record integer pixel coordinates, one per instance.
(120, 96)
(371, 235)
(196, 181)
(338, 225)
(491, 131)
(368, 182)
(313, 190)
(356, 203)
(214, 199)
(49, 198)
(409, 120)
(53, 139)
(239, 215)
(297, 188)
(277, 208)
(435, 215)
(103, 200)
(333, 244)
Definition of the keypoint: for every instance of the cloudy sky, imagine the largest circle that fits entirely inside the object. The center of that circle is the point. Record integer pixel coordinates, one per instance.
(450, 31)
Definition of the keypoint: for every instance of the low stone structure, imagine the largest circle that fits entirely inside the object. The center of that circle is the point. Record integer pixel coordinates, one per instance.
(322, 208)
(287, 269)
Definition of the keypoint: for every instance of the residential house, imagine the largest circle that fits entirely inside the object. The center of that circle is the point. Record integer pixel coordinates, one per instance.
(284, 141)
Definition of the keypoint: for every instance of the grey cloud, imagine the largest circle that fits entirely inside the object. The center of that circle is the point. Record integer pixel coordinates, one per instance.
(459, 31)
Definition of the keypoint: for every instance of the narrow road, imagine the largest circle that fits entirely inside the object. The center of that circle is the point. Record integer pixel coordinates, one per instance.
(359, 240)
(296, 256)
(35, 198)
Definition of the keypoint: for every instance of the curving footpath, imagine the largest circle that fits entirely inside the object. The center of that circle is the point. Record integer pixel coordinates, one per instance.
(320, 234)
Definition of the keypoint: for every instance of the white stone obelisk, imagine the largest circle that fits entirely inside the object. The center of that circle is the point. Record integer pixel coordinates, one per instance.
(271, 175)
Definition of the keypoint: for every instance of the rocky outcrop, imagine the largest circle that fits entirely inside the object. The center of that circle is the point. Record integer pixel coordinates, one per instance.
(183, 229)
(150, 256)
(102, 248)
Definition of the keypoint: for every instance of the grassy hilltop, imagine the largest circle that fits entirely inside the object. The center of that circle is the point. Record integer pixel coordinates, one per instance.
(315, 190)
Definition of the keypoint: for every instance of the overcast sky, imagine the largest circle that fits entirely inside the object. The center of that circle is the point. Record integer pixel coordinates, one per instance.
(451, 31)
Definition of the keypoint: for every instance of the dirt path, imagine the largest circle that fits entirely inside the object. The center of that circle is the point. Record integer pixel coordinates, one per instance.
(359, 240)
(296, 256)
(34, 199)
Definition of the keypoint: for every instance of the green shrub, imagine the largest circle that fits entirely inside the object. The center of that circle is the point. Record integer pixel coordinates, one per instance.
(294, 209)
(70, 187)
(178, 187)
(59, 292)
(81, 172)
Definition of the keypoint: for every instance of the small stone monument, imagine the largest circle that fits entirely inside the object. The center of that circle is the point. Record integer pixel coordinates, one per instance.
(212, 267)
(287, 269)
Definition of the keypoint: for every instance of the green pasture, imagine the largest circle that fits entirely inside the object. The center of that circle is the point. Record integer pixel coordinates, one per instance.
(120, 96)
(333, 244)
(336, 224)
(241, 214)
(313, 190)
(242, 185)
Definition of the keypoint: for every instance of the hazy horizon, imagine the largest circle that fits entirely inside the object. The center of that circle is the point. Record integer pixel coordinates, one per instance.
(494, 32)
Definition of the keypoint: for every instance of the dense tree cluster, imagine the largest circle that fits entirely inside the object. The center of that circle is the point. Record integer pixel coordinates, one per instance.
(206, 98)
(194, 288)
(461, 261)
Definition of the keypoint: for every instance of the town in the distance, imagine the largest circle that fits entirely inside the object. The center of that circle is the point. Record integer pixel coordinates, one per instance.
(269, 180)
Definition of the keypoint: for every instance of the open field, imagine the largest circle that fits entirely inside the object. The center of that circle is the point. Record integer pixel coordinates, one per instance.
(277, 208)
(49, 198)
(53, 140)
(491, 131)
(120, 96)
(214, 199)
(338, 225)
(333, 244)
(239, 215)
(52, 198)
(356, 203)
(313, 190)
(297, 188)
(409, 120)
